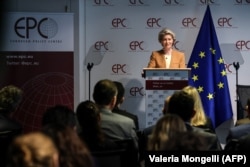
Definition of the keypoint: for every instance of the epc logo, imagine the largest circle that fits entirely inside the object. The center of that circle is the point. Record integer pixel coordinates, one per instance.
(46, 27)
(189, 22)
(223, 22)
(100, 45)
(134, 91)
(243, 45)
(154, 22)
(119, 68)
(136, 45)
(119, 22)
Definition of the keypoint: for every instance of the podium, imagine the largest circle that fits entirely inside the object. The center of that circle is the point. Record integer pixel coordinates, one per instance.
(159, 84)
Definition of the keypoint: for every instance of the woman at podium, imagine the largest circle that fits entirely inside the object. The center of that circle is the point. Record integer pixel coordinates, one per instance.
(167, 57)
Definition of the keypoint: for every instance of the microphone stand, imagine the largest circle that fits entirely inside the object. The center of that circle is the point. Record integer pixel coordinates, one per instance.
(89, 67)
(239, 107)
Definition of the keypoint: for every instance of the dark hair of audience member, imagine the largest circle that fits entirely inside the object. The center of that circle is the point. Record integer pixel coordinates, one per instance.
(182, 104)
(59, 114)
(72, 150)
(165, 129)
(88, 116)
(121, 92)
(104, 92)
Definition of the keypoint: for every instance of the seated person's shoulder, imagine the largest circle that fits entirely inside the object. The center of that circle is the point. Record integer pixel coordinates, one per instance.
(122, 118)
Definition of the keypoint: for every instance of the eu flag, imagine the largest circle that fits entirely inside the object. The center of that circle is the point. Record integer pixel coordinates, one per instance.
(208, 73)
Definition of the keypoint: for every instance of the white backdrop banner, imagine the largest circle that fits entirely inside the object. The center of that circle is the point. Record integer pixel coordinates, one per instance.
(121, 34)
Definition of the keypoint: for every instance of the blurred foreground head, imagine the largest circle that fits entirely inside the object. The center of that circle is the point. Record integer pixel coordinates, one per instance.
(33, 150)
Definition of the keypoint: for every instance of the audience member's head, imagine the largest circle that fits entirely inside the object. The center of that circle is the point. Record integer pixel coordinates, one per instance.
(165, 129)
(182, 104)
(105, 93)
(33, 150)
(186, 141)
(10, 97)
(199, 118)
(59, 114)
(72, 150)
(120, 94)
(89, 118)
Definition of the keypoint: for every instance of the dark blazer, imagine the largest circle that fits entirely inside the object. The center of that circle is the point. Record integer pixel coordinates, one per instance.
(129, 115)
(157, 60)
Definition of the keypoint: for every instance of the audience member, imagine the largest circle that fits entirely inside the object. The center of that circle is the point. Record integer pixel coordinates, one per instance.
(165, 129)
(199, 119)
(182, 104)
(247, 119)
(88, 116)
(114, 126)
(119, 101)
(33, 150)
(10, 97)
(59, 114)
(72, 150)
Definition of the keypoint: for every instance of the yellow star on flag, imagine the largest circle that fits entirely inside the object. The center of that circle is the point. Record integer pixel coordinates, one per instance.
(221, 60)
(202, 54)
(195, 65)
(210, 96)
(223, 73)
(195, 77)
(200, 89)
(221, 85)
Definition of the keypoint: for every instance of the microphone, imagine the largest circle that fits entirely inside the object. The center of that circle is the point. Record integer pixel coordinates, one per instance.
(89, 66)
(236, 65)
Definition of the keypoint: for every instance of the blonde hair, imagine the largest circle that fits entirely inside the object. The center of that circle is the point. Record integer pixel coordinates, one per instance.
(165, 31)
(33, 149)
(165, 129)
(199, 118)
